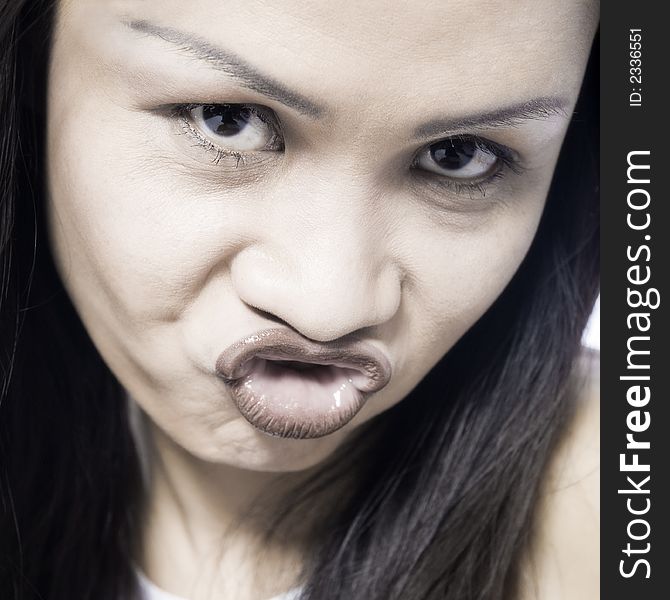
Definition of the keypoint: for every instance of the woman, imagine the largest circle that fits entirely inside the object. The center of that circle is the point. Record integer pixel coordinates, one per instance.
(298, 306)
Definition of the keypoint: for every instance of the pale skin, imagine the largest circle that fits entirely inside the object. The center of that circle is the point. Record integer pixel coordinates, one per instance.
(171, 252)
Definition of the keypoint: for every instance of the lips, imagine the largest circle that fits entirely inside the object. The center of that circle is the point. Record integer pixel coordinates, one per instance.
(288, 386)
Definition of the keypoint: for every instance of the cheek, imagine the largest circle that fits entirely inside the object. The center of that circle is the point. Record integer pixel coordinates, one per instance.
(132, 241)
(121, 226)
(454, 273)
(476, 270)
(459, 272)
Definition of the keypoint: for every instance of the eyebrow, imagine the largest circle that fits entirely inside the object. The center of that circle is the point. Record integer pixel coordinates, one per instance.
(231, 64)
(234, 66)
(510, 116)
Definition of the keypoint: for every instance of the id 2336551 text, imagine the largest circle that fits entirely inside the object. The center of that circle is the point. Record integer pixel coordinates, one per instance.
(635, 67)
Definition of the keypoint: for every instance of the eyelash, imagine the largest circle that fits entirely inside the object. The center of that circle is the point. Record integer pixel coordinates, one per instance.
(507, 160)
(180, 113)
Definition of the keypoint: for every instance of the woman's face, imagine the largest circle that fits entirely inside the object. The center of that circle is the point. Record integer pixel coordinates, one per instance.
(370, 170)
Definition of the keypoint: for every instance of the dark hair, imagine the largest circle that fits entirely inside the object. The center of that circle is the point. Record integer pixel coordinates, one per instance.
(446, 488)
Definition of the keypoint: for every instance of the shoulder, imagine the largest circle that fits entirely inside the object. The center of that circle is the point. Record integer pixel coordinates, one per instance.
(564, 560)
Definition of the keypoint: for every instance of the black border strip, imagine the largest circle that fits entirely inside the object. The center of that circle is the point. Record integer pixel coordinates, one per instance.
(635, 524)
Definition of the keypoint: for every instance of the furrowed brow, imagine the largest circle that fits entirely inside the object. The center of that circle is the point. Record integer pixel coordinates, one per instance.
(249, 76)
(230, 64)
(510, 116)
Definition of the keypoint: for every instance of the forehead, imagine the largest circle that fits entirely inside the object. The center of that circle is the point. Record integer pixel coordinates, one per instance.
(488, 51)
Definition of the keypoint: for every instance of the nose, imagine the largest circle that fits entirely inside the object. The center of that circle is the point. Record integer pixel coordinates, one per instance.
(322, 267)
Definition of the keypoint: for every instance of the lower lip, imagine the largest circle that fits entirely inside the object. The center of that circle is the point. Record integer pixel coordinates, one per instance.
(308, 403)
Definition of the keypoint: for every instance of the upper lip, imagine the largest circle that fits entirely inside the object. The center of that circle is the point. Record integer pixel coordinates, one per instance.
(284, 344)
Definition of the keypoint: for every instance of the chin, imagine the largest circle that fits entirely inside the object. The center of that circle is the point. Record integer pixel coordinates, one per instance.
(239, 445)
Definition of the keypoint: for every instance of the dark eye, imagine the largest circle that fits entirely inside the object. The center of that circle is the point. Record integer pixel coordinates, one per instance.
(237, 127)
(458, 158)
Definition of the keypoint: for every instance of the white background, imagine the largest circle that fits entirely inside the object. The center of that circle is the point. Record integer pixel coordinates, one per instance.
(592, 333)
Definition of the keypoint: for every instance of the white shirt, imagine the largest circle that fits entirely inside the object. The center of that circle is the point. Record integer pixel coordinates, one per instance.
(150, 591)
